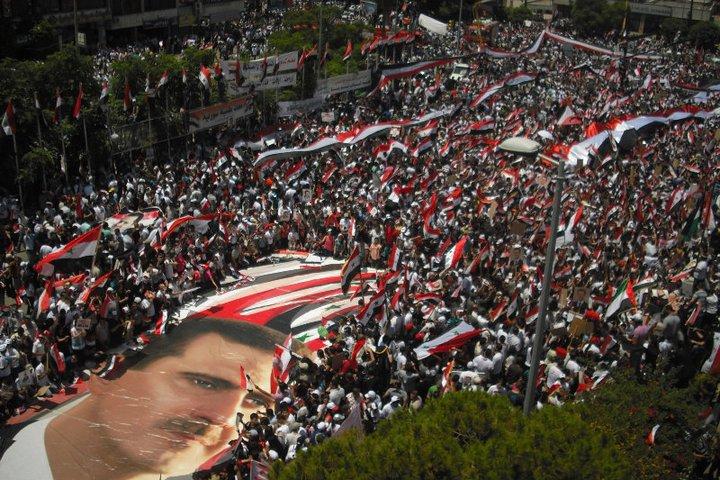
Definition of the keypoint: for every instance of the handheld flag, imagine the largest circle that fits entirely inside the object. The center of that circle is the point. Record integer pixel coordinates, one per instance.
(348, 51)
(8, 120)
(350, 269)
(78, 103)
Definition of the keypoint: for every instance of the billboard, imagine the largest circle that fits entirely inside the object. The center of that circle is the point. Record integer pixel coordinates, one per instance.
(169, 409)
(343, 83)
(221, 113)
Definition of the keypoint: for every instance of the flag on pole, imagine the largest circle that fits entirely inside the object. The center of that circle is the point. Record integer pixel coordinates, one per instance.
(8, 120)
(650, 439)
(204, 76)
(283, 362)
(394, 258)
(372, 307)
(446, 377)
(104, 91)
(348, 51)
(259, 470)
(350, 269)
(624, 292)
(453, 338)
(163, 79)
(692, 223)
(453, 256)
(80, 250)
(184, 76)
(301, 60)
(568, 118)
(239, 77)
(58, 107)
(78, 103)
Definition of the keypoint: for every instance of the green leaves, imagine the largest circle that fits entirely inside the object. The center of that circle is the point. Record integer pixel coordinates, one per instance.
(466, 435)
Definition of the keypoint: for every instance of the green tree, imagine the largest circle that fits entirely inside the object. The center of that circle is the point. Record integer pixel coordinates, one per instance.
(596, 17)
(466, 435)
(625, 411)
(670, 27)
(704, 35)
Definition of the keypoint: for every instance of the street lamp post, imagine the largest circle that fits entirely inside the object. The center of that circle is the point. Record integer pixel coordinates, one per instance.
(547, 278)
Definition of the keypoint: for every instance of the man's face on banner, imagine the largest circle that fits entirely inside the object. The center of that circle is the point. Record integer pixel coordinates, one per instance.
(179, 410)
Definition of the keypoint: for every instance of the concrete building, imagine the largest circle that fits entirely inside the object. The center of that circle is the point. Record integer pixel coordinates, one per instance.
(643, 15)
(104, 20)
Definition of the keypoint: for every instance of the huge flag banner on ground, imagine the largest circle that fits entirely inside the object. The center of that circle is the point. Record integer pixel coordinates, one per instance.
(76, 254)
(350, 269)
(453, 338)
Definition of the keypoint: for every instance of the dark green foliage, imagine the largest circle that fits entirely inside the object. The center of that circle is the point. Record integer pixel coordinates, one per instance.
(704, 35)
(466, 435)
(597, 17)
(625, 411)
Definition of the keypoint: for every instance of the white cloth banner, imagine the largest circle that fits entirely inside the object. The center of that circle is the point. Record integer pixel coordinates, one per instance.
(432, 25)
(343, 83)
(299, 107)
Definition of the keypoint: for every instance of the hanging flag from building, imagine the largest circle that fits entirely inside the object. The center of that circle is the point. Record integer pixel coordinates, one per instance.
(78, 103)
(8, 119)
(204, 76)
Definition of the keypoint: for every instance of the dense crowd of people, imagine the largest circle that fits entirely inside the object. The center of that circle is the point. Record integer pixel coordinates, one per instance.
(639, 212)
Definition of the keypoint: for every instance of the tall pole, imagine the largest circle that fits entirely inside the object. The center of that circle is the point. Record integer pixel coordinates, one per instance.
(75, 20)
(690, 12)
(17, 170)
(549, 264)
(319, 47)
(87, 147)
(459, 25)
(40, 139)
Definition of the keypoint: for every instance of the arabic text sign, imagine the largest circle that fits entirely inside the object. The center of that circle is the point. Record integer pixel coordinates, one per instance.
(299, 107)
(253, 69)
(214, 115)
(343, 83)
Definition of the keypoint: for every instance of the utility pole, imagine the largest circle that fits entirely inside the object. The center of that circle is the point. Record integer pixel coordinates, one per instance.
(75, 20)
(690, 12)
(459, 25)
(529, 403)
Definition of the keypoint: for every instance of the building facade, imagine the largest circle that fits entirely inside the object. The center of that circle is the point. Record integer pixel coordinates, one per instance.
(103, 20)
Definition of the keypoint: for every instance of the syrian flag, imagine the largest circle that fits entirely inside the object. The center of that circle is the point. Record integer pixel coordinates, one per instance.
(383, 150)
(8, 119)
(453, 256)
(58, 107)
(532, 315)
(184, 76)
(57, 357)
(76, 254)
(429, 129)
(453, 338)
(45, 297)
(694, 315)
(423, 146)
(163, 80)
(105, 91)
(394, 258)
(674, 199)
(283, 362)
(204, 76)
(650, 439)
(348, 51)
(498, 310)
(571, 224)
(127, 97)
(372, 307)
(295, 170)
(625, 292)
(98, 283)
(354, 420)
(350, 269)
(301, 60)
(446, 381)
(708, 217)
(78, 103)
(147, 84)
(692, 223)
(568, 118)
